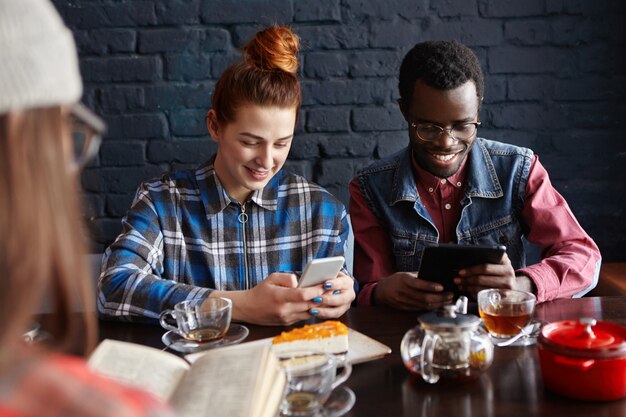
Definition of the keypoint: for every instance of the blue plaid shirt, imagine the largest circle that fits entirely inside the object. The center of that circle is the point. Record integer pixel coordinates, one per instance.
(184, 237)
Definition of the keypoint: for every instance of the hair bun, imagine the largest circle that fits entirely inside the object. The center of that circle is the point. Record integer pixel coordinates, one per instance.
(273, 48)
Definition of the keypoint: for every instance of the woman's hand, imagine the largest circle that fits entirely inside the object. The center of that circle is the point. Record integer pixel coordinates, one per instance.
(278, 301)
(336, 298)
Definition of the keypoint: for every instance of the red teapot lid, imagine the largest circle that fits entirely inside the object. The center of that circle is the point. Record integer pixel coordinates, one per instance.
(586, 337)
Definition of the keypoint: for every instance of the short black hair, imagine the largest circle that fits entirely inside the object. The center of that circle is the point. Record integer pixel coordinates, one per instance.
(443, 65)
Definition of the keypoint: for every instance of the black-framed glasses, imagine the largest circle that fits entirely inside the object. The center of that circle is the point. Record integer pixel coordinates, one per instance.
(430, 132)
(87, 131)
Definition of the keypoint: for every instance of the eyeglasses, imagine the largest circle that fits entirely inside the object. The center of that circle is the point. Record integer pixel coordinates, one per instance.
(87, 131)
(429, 132)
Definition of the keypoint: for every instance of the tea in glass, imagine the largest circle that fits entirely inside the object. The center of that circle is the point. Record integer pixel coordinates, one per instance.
(505, 312)
(200, 321)
(311, 377)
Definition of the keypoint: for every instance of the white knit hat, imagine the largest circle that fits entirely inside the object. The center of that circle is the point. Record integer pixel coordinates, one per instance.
(38, 61)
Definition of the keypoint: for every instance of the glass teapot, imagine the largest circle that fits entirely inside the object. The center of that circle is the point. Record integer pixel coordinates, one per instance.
(448, 344)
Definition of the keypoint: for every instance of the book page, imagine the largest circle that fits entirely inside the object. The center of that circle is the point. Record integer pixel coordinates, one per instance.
(223, 383)
(270, 392)
(141, 366)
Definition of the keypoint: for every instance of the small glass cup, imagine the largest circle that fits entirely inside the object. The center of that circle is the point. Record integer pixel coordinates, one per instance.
(505, 313)
(200, 321)
(311, 378)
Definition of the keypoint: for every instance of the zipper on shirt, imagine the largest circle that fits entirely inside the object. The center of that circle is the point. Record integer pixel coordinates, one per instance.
(243, 219)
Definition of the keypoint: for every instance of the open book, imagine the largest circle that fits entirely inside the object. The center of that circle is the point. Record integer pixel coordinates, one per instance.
(222, 383)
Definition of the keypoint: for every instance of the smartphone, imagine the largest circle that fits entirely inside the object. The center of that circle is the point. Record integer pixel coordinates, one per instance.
(319, 270)
(441, 263)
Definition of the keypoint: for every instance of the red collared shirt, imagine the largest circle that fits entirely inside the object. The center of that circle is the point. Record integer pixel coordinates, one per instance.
(570, 256)
(442, 199)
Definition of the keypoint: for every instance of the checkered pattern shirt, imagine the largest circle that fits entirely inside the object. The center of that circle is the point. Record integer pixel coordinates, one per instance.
(184, 237)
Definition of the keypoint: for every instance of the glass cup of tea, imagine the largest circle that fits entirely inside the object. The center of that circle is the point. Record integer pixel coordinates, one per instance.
(505, 313)
(199, 321)
(311, 378)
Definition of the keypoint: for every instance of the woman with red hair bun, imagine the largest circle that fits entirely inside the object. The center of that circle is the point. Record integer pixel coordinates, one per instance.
(238, 226)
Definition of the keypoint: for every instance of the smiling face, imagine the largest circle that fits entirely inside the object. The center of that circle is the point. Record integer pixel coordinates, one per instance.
(445, 108)
(252, 148)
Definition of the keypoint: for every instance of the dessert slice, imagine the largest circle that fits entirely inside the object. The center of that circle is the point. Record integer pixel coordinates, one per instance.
(330, 336)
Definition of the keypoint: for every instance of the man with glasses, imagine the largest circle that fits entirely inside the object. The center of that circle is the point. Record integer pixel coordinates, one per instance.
(451, 186)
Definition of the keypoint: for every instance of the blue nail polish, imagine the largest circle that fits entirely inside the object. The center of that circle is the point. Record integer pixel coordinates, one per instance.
(328, 285)
(317, 300)
(337, 292)
(314, 312)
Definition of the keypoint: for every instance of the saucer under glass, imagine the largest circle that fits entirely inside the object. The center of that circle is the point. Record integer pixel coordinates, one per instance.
(236, 333)
(525, 340)
(340, 401)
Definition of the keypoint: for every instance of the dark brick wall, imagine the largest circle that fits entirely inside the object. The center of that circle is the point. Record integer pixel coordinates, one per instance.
(555, 82)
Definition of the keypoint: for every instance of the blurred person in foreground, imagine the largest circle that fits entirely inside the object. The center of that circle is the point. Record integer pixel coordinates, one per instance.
(41, 240)
(451, 186)
(238, 226)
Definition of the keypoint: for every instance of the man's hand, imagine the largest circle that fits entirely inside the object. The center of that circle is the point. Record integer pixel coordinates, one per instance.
(501, 275)
(405, 291)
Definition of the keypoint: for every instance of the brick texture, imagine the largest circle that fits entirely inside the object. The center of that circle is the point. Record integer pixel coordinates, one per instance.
(555, 82)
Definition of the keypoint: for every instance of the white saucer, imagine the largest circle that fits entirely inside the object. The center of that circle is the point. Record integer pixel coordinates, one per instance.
(527, 340)
(341, 401)
(236, 333)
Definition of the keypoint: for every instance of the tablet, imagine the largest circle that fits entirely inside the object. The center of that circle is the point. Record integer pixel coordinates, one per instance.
(441, 263)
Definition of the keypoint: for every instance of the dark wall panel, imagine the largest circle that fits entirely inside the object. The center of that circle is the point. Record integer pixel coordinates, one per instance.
(555, 82)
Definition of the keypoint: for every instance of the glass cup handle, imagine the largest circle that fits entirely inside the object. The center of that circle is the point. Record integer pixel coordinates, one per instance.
(343, 375)
(426, 359)
(165, 324)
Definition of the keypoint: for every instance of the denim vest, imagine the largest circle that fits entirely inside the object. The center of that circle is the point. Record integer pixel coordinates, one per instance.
(491, 208)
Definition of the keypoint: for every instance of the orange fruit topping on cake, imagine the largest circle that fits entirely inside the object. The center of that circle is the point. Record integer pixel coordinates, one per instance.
(329, 336)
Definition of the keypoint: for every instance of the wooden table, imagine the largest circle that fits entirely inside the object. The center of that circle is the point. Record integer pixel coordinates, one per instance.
(612, 280)
(511, 387)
